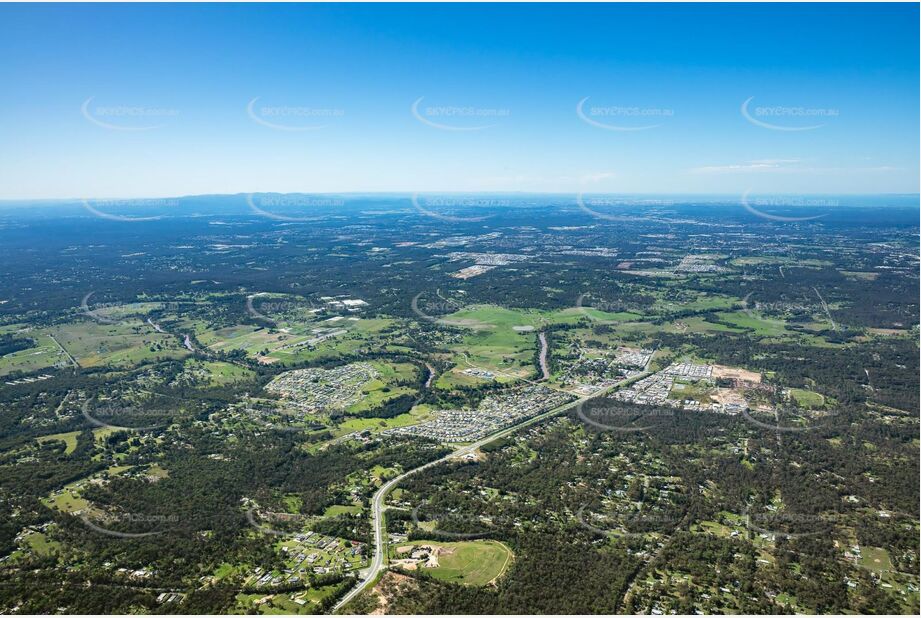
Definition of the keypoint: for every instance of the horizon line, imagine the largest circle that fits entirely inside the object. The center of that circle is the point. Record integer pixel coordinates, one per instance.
(409, 194)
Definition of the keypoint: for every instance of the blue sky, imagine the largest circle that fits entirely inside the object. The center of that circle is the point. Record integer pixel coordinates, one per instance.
(135, 101)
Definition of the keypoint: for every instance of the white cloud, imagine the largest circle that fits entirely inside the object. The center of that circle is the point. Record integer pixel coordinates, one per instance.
(774, 161)
(764, 165)
(789, 166)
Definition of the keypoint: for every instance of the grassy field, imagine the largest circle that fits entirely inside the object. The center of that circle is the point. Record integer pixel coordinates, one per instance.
(223, 373)
(474, 563)
(217, 372)
(68, 501)
(762, 327)
(807, 399)
(714, 528)
(277, 604)
(603, 317)
(383, 388)
(128, 341)
(759, 260)
(700, 325)
(499, 340)
(701, 303)
(860, 275)
(251, 339)
(492, 317)
(417, 415)
(124, 343)
(875, 559)
(691, 390)
(41, 545)
(290, 345)
(43, 355)
(339, 509)
(101, 433)
(69, 498)
(69, 439)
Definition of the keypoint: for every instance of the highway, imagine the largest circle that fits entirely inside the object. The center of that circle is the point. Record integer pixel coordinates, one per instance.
(377, 503)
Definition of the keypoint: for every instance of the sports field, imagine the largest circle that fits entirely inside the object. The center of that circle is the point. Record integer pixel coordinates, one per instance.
(474, 563)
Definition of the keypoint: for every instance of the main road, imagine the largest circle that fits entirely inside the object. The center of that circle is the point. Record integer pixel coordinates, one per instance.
(64, 350)
(377, 503)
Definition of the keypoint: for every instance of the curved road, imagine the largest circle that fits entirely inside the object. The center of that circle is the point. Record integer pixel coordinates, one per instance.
(377, 502)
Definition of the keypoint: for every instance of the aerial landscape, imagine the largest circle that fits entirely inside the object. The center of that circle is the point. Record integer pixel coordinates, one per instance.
(693, 395)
